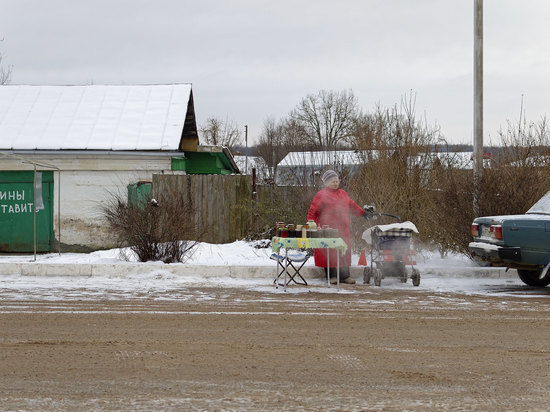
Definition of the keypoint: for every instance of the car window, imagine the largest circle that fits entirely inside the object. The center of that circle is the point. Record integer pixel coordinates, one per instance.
(542, 206)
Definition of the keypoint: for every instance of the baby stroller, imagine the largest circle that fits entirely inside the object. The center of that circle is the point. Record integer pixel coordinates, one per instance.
(391, 250)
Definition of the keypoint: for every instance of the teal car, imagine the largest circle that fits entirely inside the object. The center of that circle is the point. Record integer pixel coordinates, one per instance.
(520, 242)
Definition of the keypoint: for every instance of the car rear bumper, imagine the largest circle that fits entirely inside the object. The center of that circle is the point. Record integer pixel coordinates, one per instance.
(487, 252)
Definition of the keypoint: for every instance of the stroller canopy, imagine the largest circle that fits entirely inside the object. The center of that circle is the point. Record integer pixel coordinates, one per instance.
(404, 229)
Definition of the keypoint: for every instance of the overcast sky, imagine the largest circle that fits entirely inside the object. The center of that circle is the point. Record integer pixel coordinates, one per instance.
(251, 59)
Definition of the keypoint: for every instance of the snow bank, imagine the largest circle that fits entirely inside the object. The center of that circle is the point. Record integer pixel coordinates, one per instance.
(239, 253)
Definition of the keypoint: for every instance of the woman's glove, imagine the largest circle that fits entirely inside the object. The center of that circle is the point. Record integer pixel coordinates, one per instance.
(370, 211)
(369, 208)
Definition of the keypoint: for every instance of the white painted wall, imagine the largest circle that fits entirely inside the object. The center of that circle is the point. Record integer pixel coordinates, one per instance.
(87, 182)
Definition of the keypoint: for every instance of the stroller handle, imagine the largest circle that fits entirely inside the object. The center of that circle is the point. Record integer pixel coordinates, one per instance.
(371, 215)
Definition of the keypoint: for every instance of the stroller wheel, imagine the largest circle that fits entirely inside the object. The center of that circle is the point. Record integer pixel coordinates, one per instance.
(401, 272)
(415, 277)
(367, 273)
(377, 277)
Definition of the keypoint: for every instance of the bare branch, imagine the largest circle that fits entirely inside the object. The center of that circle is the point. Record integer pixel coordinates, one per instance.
(5, 73)
(327, 118)
(220, 132)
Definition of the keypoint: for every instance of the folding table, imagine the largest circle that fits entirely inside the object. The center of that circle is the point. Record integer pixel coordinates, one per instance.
(286, 243)
(283, 262)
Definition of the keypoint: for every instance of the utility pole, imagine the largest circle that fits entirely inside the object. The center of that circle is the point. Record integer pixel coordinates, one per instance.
(246, 145)
(478, 104)
(272, 158)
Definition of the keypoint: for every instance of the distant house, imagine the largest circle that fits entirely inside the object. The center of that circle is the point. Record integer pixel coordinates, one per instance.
(247, 163)
(304, 168)
(86, 142)
(453, 160)
(538, 161)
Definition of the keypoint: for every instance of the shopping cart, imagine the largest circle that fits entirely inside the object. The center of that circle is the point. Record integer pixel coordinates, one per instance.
(391, 251)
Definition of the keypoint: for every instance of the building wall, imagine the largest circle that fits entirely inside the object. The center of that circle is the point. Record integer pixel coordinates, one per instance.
(83, 194)
(87, 183)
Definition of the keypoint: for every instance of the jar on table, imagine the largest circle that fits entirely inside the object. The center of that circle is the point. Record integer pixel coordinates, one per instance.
(291, 230)
(278, 227)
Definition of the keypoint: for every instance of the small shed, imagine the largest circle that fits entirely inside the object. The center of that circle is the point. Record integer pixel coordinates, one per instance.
(26, 208)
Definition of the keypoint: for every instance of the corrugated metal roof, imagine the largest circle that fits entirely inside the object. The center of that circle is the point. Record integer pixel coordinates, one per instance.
(247, 163)
(459, 160)
(93, 117)
(327, 158)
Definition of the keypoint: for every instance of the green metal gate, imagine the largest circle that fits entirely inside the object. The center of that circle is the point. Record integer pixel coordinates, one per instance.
(17, 214)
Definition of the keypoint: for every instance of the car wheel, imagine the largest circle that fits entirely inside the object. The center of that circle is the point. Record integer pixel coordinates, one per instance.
(531, 278)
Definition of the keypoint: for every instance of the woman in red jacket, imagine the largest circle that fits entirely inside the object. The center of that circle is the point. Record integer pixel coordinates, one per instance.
(332, 206)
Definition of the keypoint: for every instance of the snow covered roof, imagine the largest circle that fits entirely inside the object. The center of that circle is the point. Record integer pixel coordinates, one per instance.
(249, 162)
(95, 117)
(461, 160)
(458, 160)
(532, 161)
(325, 158)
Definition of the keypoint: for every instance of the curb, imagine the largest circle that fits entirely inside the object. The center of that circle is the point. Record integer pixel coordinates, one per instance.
(130, 269)
(234, 272)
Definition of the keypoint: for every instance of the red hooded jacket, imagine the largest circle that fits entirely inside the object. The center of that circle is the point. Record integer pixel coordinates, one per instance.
(333, 207)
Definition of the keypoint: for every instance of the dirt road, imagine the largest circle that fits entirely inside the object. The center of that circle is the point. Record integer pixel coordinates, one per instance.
(229, 349)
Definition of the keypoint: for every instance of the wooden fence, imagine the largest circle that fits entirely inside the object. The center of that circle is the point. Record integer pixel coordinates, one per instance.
(220, 203)
(226, 208)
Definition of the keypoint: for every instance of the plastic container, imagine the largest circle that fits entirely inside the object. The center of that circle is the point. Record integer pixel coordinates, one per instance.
(311, 224)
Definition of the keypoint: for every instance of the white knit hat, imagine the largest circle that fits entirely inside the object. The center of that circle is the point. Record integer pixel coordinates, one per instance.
(329, 174)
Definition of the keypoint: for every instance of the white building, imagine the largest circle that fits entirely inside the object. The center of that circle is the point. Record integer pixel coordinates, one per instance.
(247, 163)
(304, 168)
(301, 168)
(95, 140)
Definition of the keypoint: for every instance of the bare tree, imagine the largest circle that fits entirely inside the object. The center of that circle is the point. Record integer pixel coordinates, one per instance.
(271, 145)
(397, 128)
(521, 173)
(277, 139)
(5, 74)
(294, 134)
(327, 118)
(270, 141)
(220, 132)
(398, 152)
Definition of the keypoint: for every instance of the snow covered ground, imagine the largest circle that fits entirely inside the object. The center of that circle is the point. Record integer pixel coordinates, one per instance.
(238, 253)
(453, 273)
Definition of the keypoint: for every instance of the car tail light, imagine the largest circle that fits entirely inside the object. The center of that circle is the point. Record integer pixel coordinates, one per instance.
(496, 231)
(475, 230)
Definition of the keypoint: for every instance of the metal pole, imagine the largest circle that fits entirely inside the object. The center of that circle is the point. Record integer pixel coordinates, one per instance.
(246, 145)
(59, 211)
(272, 159)
(286, 267)
(338, 269)
(34, 212)
(328, 266)
(478, 104)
